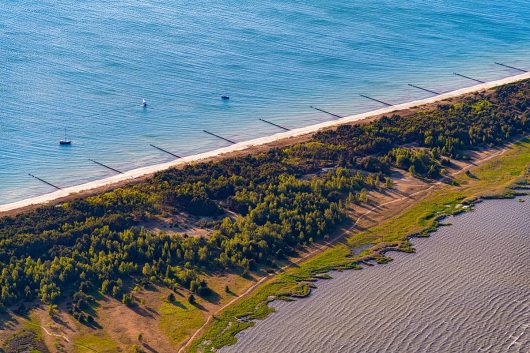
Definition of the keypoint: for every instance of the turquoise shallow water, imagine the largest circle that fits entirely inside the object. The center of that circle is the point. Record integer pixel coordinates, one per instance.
(86, 66)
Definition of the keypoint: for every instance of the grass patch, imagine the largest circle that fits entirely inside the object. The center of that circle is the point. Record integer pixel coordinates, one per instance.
(28, 339)
(236, 283)
(96, 343)
(492, 178)
(33, 325)
(180, 319)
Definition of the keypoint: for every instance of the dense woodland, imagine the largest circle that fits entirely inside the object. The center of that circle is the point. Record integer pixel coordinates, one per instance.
(260, 207)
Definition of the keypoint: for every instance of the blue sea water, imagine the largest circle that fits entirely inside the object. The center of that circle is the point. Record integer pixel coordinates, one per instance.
(87, 65)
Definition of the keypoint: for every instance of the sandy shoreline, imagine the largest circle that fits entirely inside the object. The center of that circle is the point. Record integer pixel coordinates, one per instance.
(135, 174)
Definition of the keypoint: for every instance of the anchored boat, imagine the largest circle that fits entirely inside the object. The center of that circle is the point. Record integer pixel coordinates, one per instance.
(65, 141)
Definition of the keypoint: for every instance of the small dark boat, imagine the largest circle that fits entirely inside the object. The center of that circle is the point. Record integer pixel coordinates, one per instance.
(225, 98)
(65, 141)
(144, 103)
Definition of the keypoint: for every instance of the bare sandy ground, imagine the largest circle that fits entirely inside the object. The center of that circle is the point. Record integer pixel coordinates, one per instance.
(140, 173)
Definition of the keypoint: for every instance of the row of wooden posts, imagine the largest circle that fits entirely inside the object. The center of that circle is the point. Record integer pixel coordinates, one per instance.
(282, 127)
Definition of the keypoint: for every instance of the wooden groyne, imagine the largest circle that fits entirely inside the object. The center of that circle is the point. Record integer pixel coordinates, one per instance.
(469, 78)
(376, 100)
(424, 89)
(511, 67)
(219, 137)
(326, 112)
(44, 181)
(106, 166)
(273, 124)
(163, 150)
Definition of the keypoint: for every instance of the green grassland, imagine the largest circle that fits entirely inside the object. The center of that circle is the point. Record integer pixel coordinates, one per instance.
(180, 319)
(96, 343)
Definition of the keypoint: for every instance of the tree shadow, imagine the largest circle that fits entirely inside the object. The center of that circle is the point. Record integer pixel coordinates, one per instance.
(179, 304)
(8, 320)
(151, 310)
(229, 292)
(212, 297)
(471, 175)
(448, 180)
(93, 325)
(91, 309)
(149, 348)
(178, 293)
(356, 227)
(199, 306)
(141, 311)
(58, 320)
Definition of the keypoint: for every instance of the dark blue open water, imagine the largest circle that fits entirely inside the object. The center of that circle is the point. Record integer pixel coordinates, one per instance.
(86, 65)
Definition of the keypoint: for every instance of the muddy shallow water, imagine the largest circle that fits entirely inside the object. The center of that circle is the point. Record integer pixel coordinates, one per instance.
(467, 289)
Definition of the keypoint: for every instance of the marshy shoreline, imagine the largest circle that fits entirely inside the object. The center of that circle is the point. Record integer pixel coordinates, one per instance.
(272, 335)
(378, 256)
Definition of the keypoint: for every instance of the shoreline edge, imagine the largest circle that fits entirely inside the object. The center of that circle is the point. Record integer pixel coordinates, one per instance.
(137, 173)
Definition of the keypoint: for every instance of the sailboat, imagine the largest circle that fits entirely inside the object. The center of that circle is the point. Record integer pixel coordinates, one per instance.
(65, 141)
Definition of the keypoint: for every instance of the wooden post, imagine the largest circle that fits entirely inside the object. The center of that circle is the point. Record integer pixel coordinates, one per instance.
(424, 89)
(44, 181)
(511, 67)
(163, 150)
(105, 166)
(220, 137)
(324, 111)
(273, 124)
(469, 78)
(376, 100)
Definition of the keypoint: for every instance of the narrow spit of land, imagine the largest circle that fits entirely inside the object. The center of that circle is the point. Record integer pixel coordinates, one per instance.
(146, 265)
(131, 176)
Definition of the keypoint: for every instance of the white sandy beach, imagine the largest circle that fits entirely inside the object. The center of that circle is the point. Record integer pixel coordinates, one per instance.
(140, 172)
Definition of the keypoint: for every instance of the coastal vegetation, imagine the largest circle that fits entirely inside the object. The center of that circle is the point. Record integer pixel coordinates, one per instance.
(258, 209)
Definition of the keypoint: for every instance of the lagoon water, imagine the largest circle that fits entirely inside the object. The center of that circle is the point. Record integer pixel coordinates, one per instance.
(467, 289)
(87, 65)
